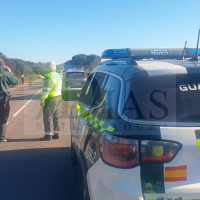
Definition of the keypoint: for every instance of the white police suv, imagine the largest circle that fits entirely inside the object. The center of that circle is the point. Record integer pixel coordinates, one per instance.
(136, 128)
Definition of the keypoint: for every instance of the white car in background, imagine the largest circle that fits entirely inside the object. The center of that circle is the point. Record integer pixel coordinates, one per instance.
(73, 81)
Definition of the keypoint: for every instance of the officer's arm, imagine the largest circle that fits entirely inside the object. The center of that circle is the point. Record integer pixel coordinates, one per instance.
(47, 86)
(12, 79)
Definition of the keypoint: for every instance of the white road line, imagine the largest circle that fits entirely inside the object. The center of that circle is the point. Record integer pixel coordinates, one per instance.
(26, 104)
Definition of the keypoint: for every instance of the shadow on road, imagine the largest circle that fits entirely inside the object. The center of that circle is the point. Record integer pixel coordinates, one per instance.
(24, 140)
(39, 174)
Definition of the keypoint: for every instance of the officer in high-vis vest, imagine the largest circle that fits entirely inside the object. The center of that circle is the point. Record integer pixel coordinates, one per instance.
(51, 102)
(7, 78)
(22, 78)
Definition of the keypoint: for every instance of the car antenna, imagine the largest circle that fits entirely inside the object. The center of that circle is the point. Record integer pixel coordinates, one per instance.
(184, 50)
(196, 57)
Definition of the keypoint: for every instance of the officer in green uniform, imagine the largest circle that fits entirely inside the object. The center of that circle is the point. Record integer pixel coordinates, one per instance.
(7, 78)
(51, 102)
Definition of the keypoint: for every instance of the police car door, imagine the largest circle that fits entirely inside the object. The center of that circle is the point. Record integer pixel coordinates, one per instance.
(76, 111)
(88, 102)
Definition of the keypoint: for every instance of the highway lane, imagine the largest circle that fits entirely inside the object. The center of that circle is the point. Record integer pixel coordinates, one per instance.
(25, 122)
(22, 94)
(33, 169)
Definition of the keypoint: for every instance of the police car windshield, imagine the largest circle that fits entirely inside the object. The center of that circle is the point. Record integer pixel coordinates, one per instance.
(75, 75)
(171, 98)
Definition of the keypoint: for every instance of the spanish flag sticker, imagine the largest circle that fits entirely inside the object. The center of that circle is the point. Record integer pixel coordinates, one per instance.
(197, 132)
(173, 174)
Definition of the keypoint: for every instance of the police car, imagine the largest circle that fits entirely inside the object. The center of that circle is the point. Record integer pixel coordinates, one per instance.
(73, 82)
(136, 128)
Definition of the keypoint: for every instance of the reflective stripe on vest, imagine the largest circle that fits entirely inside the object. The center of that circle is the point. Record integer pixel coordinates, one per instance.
(55, 89)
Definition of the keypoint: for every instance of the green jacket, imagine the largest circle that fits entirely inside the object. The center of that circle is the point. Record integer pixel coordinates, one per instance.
(6, 79)
(52, 85)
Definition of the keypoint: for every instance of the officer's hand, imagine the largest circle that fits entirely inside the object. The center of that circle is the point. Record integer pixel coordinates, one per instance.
(42, 103)
(41, 77)
(8, 69)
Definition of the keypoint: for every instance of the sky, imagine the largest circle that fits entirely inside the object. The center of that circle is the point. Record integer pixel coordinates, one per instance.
(44, 30)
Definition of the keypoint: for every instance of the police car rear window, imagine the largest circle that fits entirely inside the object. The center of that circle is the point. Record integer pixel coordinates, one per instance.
(75, 75)
(172, 98)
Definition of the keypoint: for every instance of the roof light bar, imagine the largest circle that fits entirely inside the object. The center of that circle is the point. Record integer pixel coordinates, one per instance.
(116, 53)
(155, 53)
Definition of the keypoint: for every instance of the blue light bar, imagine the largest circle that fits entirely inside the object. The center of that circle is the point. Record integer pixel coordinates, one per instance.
(155, 53)
(73, 69)
(116, 53)
(192, 51)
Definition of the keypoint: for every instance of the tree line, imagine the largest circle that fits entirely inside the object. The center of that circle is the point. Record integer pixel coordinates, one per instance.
(88, 62)
(19, 66)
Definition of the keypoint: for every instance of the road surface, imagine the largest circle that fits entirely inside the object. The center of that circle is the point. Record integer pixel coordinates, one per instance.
(31, 169)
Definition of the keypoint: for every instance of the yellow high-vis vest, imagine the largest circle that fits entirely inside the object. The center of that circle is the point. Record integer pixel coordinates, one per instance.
(52, 85)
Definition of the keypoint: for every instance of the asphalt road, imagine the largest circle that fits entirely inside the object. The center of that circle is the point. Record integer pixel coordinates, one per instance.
(31, 169)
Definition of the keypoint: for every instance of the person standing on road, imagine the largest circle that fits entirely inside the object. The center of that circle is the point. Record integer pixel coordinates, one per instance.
(22, 78)
(51, 102)
(7, 78)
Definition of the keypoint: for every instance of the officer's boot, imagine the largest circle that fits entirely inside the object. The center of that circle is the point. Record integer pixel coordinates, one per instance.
(3, 133)
(56, 136)
(46, 138)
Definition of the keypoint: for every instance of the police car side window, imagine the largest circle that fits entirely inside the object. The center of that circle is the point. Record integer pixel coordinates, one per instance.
(83, 96)
(90, 95)
(99, 90)
(108, 109)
